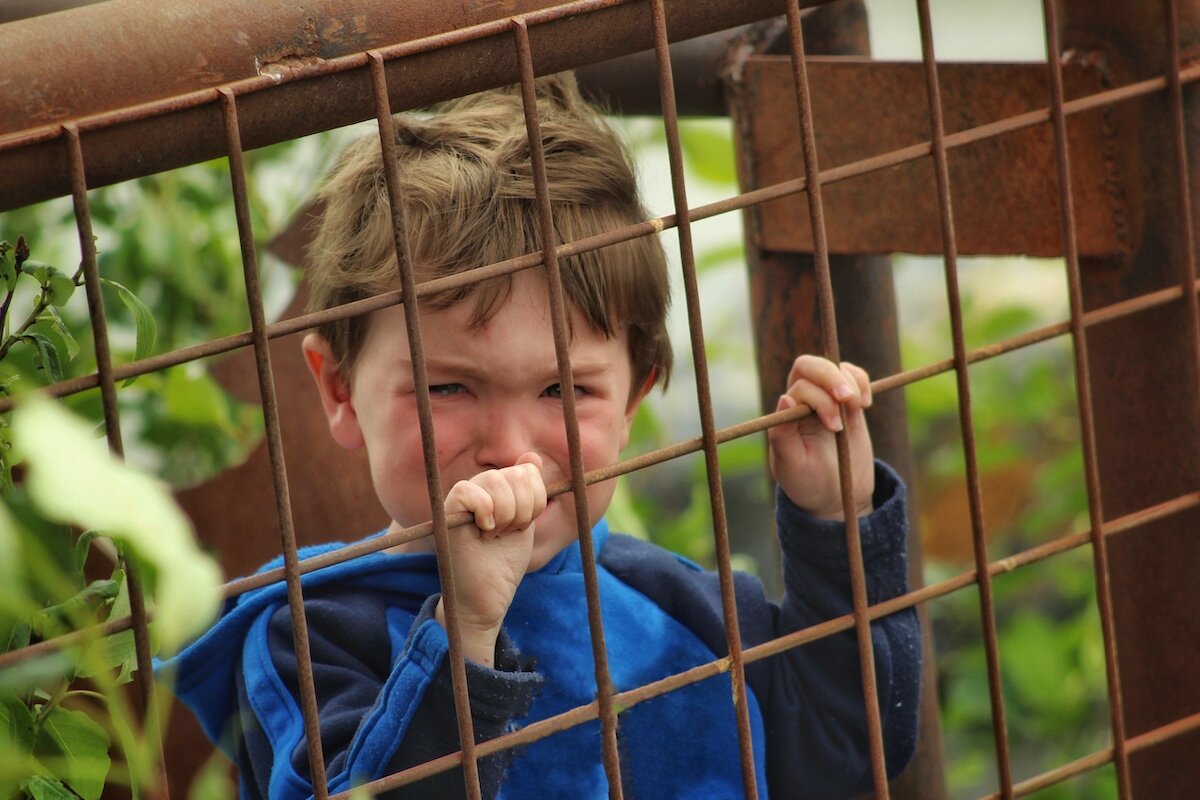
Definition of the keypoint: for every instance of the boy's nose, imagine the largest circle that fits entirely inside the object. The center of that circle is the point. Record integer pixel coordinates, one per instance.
(502, 436)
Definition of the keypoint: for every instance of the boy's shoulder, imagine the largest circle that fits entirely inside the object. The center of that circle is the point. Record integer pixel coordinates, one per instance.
(624, 553)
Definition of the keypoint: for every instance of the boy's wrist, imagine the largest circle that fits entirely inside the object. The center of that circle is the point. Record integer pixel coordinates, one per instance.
(478, 642)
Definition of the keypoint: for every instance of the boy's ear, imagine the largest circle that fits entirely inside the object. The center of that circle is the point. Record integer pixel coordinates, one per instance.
(334, 389)
(635, 400)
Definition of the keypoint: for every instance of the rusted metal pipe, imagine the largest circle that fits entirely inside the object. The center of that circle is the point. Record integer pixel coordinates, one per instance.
(140, 76)
(1147, 442)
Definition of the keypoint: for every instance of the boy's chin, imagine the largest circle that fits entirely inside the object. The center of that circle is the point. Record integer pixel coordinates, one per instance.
(554, 533)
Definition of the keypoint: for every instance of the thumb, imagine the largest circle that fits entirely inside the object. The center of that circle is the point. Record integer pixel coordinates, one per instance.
(783, 404)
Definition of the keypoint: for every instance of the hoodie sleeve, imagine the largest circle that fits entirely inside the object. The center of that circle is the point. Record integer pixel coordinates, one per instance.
(820, 683)
(810, 696)
(385, 703)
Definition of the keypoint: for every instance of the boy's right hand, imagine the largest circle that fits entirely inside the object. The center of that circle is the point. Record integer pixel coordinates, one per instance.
(489, 556)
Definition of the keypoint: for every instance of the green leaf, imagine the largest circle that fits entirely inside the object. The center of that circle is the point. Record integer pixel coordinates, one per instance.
(16, 725)
(82, 744)
(119, 651)
(51, 318)
(46, 355)
(83, 546)
(39, 270)
(75, 611)
(40, 788)
(72, 479)
(147, 328)
(59, 288)
(14, 634)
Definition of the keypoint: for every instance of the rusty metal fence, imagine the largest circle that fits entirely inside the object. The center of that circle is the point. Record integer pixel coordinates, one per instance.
(387, 64)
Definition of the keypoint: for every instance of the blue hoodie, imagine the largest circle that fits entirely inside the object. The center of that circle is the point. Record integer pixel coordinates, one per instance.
(386, 703)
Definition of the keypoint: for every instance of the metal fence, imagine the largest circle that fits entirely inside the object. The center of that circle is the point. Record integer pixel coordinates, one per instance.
(45, 157)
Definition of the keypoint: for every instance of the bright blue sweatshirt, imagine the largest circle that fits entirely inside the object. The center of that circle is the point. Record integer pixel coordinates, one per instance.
(385, 700)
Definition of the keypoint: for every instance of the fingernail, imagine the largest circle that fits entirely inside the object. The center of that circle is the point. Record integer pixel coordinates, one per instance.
(490, 522)
(842, 392)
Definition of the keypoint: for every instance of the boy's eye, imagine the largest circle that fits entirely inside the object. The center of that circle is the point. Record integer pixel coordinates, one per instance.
(446, 389)
(555, 390)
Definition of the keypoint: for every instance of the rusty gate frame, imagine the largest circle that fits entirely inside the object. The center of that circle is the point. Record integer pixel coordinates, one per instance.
(1151, 267)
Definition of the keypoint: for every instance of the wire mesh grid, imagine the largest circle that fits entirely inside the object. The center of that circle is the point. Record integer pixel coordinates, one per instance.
(608, 699)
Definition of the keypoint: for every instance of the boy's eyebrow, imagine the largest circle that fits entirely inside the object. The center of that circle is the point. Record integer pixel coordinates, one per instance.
(468, 367)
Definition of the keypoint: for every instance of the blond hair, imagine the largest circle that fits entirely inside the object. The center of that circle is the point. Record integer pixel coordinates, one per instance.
(467, 182)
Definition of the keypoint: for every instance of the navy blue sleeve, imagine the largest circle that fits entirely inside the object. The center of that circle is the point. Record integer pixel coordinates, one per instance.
(811, 696)
(353, 669)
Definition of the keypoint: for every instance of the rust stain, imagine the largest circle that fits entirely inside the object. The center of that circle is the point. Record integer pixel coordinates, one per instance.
(200, 71)
(41, 110)
(304, 50)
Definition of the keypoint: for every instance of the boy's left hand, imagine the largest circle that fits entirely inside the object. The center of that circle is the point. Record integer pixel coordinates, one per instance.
(803, 454)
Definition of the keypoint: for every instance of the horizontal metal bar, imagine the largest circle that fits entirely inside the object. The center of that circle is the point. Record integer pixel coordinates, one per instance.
(140, 77)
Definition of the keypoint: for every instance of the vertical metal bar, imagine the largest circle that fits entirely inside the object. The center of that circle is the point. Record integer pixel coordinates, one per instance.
(112, 428)
(862, 625)
(733, 637)
(1084, 391)
(558, 317)
(1182, 175)
(979, 539)
(412, 321)
(266, 382)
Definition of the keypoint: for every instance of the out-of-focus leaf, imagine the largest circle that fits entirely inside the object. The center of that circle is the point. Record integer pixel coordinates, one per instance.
(72, 479)
(213, 781)
(195, 398)
(41, 788)
(709, 151)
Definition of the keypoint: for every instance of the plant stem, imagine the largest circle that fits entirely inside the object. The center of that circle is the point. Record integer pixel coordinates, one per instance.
(60, 691)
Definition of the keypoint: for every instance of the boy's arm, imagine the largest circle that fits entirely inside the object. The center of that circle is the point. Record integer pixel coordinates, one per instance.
(377, 716)
(822, 680)
(812, 696)
(366, 706)
(489, 555)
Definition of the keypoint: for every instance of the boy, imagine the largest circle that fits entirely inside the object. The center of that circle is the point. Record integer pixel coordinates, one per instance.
(377, 632)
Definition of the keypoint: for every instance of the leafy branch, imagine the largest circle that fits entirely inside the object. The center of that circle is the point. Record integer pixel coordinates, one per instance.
(54, 291)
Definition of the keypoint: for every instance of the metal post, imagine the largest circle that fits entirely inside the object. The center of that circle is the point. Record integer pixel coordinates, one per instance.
(1144, 378)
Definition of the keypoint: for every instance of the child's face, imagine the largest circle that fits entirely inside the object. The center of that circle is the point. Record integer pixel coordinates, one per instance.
(494, 393)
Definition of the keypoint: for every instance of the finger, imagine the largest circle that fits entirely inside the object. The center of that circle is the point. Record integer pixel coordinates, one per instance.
(533, 483)
(474, 499)
(821, 372)
(819, 400)
(861, 380)
(496, 484)
(523, 479)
